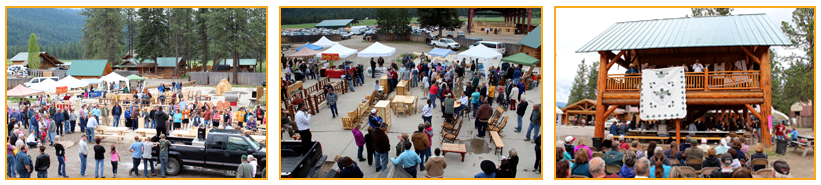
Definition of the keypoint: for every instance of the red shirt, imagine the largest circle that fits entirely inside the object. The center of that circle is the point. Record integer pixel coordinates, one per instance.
(394, 75)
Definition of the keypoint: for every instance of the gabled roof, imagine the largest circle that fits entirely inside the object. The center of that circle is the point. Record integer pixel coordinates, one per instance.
(88, 68)
(533, 39)
(242, 62)
(735, 30)
(521, 58)
(585, 104)
(334, 23)
(22, 56)
(165, 61)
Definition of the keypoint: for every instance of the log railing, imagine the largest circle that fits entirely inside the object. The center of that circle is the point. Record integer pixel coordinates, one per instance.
(695, 81)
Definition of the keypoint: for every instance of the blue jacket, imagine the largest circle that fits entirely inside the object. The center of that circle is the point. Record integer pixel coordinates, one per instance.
(23, 160)
(117, 110)
(58, 118)
(581, 169)
(614, 129)
(666, 171)
(627, 172)
(623, 129)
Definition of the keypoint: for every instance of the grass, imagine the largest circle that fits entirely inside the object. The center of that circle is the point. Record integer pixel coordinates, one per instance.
(370, 22)
(17, 99)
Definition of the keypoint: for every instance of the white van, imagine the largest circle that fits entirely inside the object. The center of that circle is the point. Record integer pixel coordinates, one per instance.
(498, 46)
(38, 80)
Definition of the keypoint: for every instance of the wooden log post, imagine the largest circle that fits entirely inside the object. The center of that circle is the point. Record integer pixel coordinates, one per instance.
(766, 107)
(600, 109)
(706, 77)
(678, 131)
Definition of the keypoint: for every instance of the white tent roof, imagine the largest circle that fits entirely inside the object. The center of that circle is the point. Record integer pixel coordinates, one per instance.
(91, 81)
(377, 50)
(343, 51)
(72, 82)
(114, 77)
(486, 56)
(325, 42)
(47, 85)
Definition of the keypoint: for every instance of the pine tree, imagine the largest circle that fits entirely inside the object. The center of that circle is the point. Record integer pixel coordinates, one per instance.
(152, 34)
(229, 30)
(704, 12)
(393, 20)
(579, 84)
(180, 23)
(34, 53)
(592, 81)
(131, 25)
(202, 32)
(103, 33)
(799, 77)
(444, 18)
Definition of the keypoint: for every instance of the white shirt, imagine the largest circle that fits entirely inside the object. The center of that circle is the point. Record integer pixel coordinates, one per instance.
(147, 145)
(427, 111)
(303, 120)
(514, 92)
(92, 123)
(463, 100)
(697, 67)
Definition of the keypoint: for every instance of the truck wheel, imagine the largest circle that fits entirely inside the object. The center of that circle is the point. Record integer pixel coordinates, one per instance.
(174, 167)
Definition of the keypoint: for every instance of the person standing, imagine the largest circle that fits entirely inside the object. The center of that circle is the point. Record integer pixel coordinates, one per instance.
(72, 119)
(115, 160)
(240, 116)
(433, 91)
(135, 117)
(537, 166)
(99, 159)
(520, 112)
(163, 144)
(10, 159)
(513, 96)
(136, 150)
(373, 68)
(436, 165)
(408, 160)
(303, 123)
(51, 129)
(245, 170)
(60, 153)
(349, 78)
(427, 112)
(421, 144)
(369, 145)
(146, 158)
(382, 146)
(331, 98)
(42, 163)
(360, 141)
(535, 122)
(116, 112)
(92, 123)
(83, 150)
(161, 119)
(482, 117)
(23, 163)
(58, 122)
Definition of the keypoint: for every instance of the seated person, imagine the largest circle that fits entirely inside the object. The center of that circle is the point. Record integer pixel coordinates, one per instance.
(614, 156)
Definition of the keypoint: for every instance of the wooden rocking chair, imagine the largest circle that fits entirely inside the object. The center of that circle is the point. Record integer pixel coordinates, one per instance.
(450, 137)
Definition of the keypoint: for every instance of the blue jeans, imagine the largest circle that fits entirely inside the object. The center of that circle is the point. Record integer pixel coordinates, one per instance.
(83, 162)
(73, 125)
(153, 124)
(163, 163)
(359, 152)
(135, 166)
(433, 99)
(90, 133)
(116, 121)
(66, 127)
(351, 84)
(413, 81)
(61, 166)
(411, 171)
(334, 110)
(10, 162)
(99, 168)
(42, 174)
(475, 107)
(82, 125)
(427, 119)
(381, 160)
(25, 175)
(51, 136)
(531, 127)
(519, 121)
(148, 163)
(423, 154)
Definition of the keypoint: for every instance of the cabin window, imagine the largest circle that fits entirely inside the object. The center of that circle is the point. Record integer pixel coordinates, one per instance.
(237, 143)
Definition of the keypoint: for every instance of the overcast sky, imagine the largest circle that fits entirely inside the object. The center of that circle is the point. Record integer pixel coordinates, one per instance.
(576, 26)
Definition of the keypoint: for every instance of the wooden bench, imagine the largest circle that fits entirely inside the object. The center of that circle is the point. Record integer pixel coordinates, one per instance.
(456, 148)
(118, 137)
(494, 136)
(804, 146)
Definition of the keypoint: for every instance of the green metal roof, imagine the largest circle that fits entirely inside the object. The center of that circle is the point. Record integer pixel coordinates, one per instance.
(164, 61)
(534, 38)
(242, 62)
(735, 30)
(87, 68)
(334, 23)
(521, 58)
(22, 56)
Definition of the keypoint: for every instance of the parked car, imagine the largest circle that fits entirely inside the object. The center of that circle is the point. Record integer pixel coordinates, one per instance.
(610, 122)
(445, 43)
(497, 46)
(221, 150)
(449, 34)
(346, 35)
(461, 34)
(17, 70)
(38, 80)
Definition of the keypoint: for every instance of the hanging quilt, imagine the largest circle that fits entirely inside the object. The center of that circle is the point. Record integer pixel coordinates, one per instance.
(663, 94)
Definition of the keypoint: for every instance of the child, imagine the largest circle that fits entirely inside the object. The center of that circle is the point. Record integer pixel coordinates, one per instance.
(115, 159)
(400, 147)
(60, 152)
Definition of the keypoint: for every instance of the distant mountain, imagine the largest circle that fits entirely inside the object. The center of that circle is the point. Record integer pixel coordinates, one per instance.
(53, 26)
(561, 104)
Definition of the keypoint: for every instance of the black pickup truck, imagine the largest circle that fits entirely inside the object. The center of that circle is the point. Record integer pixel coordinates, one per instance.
(296, 163)
(221, 150)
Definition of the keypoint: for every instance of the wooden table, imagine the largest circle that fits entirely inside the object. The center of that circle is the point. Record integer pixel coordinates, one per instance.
(456, 148)
(120, 132)
(402, 87)
(406, 100)
(145, 131)
(383, 108)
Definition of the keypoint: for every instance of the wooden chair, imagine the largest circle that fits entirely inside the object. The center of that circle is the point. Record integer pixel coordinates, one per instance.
(598, 154)
(400, 108)
(612, 169)
(499, 125)
(675, 162)
(450, 137)
(764, 173)
(759, 162)
(415, 107)
(695, 163)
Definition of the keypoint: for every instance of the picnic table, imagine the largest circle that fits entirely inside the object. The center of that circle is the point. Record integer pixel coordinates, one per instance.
(808, 145)
(143, 132)
(117, 132)
(456, 148)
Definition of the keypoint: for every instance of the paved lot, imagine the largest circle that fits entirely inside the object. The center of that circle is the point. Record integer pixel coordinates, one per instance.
(799, 166)
(336, 141)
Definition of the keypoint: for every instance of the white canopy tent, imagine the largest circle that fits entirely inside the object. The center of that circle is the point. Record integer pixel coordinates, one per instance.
(114, 78)
(343, 51)
(486, 56)
(72, 82)
(377, 50)
(47, 85)
(91, 81)
(325, 42)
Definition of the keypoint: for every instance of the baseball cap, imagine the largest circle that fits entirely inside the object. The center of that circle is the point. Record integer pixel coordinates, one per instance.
(781, 167)
(726, 159)
(569, 139)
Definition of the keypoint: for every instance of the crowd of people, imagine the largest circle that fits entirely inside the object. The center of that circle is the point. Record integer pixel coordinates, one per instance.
(727, 160)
